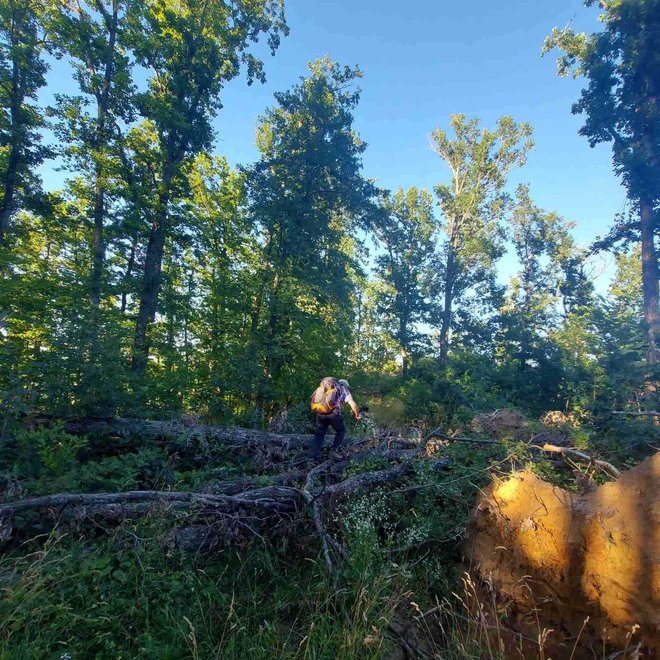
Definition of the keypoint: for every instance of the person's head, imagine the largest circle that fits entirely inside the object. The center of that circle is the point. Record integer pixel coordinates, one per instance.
(344, 383)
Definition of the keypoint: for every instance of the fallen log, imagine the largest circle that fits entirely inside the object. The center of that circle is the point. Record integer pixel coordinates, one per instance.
(273, 499)
(437, 433)
(193, 443)
(214, 513)
(125, 427)
(234, 486)
(367, 480)
(225, 497)
(640, 413)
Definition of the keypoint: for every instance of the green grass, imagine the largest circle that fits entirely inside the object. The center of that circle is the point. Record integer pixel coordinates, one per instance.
(127, 592)
(129, 596)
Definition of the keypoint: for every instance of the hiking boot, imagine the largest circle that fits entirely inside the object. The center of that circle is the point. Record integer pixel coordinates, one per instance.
(337, 455)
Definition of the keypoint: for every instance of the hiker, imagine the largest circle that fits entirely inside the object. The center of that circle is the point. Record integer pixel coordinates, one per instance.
(327, 400)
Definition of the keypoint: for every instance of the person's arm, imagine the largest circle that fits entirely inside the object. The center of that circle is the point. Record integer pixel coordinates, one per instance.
(353, 405)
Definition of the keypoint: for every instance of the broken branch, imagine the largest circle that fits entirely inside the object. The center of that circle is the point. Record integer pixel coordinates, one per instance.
(603, 465)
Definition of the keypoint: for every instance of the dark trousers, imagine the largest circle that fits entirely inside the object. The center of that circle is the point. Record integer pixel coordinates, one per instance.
(322, 423)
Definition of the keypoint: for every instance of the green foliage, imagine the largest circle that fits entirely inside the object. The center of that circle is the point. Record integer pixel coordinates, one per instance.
(47, 452)
(473, 205)
(128, 596)
(307, 194)
(620, 64)
(22, 75)
(407, 236)
(161, 280)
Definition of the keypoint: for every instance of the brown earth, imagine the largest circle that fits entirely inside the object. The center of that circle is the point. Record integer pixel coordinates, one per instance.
(501, 423)
(561, 557)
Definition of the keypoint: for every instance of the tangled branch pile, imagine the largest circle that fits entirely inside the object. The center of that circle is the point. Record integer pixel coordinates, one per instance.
(275, 495)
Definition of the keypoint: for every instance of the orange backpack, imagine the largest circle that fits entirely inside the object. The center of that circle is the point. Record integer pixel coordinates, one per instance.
(326, 396)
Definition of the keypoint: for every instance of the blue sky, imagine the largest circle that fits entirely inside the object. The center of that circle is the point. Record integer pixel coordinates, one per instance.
(422, 61)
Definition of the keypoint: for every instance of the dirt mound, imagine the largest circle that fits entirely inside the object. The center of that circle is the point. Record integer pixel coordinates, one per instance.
(563, 557)
(501, 423)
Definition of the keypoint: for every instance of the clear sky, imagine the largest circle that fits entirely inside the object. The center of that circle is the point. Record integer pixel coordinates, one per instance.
(422, 61)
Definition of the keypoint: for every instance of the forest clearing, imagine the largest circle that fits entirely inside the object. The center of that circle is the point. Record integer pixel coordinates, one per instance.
(199, 250)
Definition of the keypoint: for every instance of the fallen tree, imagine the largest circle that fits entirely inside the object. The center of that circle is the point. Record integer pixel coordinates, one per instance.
(570, 451)
(281, 460)
(180, 430)
(639, 413)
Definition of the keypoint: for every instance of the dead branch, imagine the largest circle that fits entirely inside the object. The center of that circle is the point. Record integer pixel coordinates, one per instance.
(235, 486)
(308, 493)
(603, 465)
(269, 497)
(641, 413)
(405, 645)
(367, 480)
(437, 433)
(274, 500)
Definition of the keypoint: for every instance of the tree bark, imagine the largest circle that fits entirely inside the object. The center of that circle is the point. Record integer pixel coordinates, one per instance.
(129, 272)
(98, 248)
(447, 308)
(649, 277)
(404, 341)
(15, 149)
(125, 427)
(268, 360)
(152, 274)
(260, 391)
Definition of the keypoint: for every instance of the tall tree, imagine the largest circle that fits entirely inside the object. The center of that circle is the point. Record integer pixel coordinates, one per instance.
(551, 284)
(22, 74)
(227, 261)
(92, 34)
(530, 302)
(473, 204)
(192, 49)
(309, 197)
(622, 66)
(408, 239)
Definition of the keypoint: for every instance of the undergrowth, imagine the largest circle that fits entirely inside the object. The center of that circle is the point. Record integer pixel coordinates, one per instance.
(129, 592)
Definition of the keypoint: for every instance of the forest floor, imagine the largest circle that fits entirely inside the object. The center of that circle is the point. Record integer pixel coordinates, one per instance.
(130, 538)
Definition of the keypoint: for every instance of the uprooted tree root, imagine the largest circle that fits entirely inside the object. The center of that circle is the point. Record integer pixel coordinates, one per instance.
(586, 569)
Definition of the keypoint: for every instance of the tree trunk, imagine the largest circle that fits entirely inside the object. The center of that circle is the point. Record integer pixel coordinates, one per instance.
(129, 272)
(649, 278)
(11, 174)
(525, 332)
(252, 366)
(98, 248)
(153, 264)
(268, 361)
(447, 308)
(404, 341)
